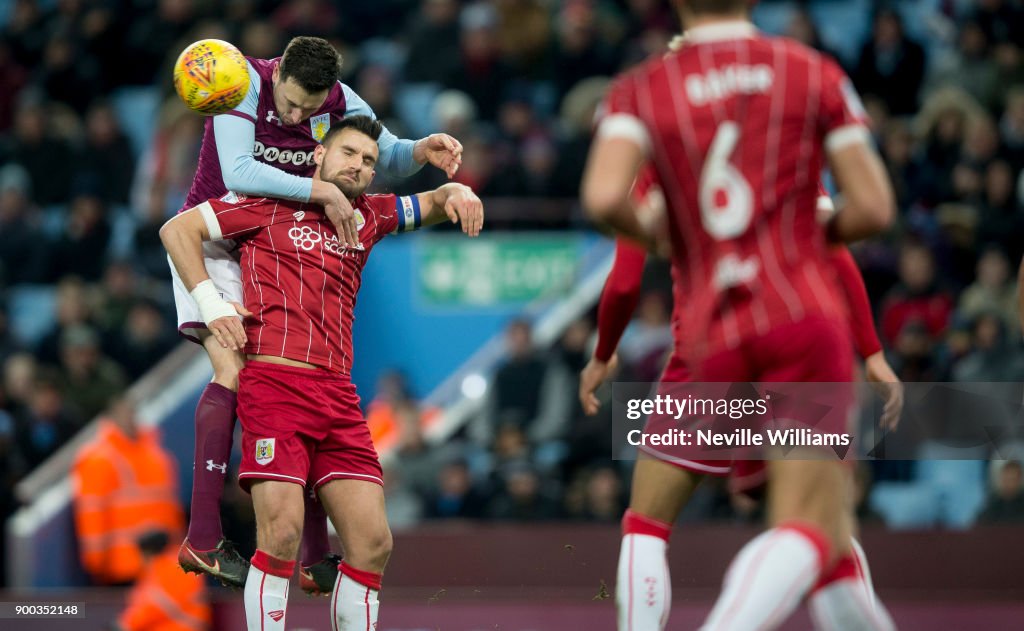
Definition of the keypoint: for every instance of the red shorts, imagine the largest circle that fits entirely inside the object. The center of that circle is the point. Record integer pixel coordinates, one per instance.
(816, 349)
(302, 425)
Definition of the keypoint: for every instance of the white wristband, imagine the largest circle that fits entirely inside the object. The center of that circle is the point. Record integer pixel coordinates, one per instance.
(211, 305)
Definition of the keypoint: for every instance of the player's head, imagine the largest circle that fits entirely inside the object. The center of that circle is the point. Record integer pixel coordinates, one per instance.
(348, 154)
(308, 70)
(689, 9)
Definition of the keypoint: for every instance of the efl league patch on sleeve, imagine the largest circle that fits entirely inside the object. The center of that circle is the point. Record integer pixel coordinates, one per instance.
(264, 451)
(233, 198)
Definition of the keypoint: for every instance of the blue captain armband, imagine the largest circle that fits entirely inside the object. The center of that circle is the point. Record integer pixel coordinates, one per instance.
(408, 209)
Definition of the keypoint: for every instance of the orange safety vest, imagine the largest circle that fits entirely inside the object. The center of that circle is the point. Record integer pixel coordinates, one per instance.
(385, 429)
(123, 488)
(167, 599)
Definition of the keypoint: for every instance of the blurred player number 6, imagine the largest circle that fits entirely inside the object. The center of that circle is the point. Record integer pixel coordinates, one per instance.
(726, 202)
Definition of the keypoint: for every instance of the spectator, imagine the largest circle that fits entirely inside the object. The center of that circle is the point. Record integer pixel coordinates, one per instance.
(307, 17)
(433, 37)
(993, 292)
(1011, 127)
(22, 244)
(46, 424)
(144, 340)
(260, 39)
(803, 29)
(914, 357)
(1000, 219)
(164, 597)
(904, 171)
(151, 35)
(12, 79)
(524, 32)
(600, 496)
(81, 249)
(514, 396)
(481, 73)
(891, 66)
(124, 483)
(580, 52)
(917, 297)
(107, 155)
(89, 379)
(991, 359)
(1006, 500)
(34, 146)
(522, 498)
(969, 67)
(67, 76)
(455, 496)
(72, 308)
(19, 380)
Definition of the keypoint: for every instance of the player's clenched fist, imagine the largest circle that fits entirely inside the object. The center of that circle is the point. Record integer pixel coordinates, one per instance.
(463, 206)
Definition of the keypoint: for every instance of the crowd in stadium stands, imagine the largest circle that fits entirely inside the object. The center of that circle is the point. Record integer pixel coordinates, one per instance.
(96, 153)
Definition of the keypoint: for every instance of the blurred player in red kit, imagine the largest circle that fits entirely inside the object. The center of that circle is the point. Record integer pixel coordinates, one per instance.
(264, 147)
(666, 483)
(301, 421)
(738, 126)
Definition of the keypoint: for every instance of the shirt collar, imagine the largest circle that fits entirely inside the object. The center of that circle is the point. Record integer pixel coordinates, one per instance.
(720, 31)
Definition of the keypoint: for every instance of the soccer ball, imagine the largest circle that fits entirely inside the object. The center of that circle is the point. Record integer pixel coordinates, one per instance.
(211, 76)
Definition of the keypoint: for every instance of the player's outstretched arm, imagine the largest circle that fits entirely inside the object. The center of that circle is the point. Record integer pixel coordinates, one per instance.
(455, 202)
(183, 238)
(400, 157)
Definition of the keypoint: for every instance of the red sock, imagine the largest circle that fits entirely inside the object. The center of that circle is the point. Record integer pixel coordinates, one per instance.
(215, 423)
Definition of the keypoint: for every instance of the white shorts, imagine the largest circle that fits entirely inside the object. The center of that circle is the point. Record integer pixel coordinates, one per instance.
(222, 265)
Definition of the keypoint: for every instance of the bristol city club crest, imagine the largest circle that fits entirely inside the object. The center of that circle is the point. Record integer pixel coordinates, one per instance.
(319, 125)
(264, 450)
(360, 219)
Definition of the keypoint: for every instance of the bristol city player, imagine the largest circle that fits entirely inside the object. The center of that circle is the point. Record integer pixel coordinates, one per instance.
(265, 147)
(664, 483)
(300, 414)
(738, 127)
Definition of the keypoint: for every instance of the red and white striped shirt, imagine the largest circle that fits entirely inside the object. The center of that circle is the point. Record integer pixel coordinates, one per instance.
(298, 279)
(736, 125)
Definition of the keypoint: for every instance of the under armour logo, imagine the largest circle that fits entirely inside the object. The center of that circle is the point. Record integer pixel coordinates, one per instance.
(211, 465)
(272, 117)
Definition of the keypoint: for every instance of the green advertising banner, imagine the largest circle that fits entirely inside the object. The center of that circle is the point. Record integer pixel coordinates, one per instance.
(454, 271)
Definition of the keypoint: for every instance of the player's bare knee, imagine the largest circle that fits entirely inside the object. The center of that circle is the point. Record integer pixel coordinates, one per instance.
(373, 552)
(280, 535)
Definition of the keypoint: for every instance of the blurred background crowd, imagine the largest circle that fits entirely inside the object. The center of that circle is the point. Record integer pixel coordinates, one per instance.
(86, 180)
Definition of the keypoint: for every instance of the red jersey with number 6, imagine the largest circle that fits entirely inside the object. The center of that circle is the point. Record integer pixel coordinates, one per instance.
(736, 125)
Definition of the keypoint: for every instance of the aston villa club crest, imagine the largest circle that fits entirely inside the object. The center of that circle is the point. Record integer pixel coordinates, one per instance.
(264, 451)
(319, 125)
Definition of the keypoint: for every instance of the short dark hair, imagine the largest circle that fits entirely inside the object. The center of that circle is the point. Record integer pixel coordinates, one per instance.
(312, 62)
(363, 124)
(715, 7)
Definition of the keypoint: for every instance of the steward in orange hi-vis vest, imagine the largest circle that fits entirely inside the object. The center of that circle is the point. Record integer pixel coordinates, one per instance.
(125, 485)
(165, 598)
